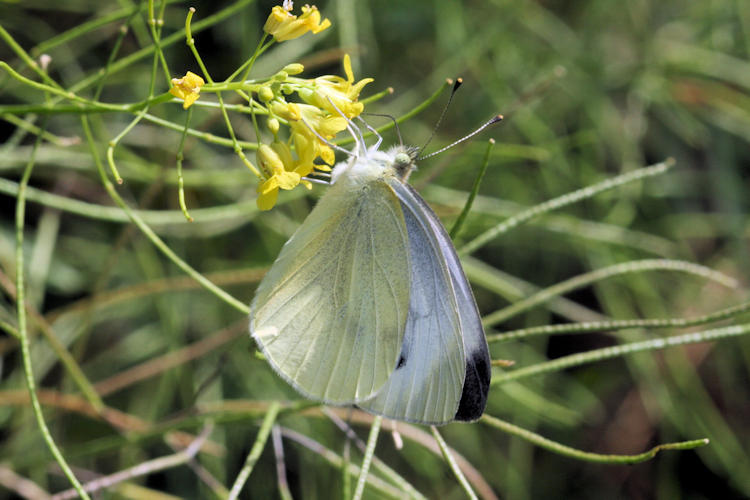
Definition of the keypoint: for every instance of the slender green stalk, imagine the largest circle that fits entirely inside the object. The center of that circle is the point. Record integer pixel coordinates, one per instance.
(115, 214)
(256, 450)
(383, 489)
(150, 234)
(562, 201)
(409, 114)
(604, 326)
(367, 460)
(235, 143)
(456, 229)
(636, 266)
(586, 456)
(29, 127)
(346, 478)
(180, 178)
(128, 60)
(10, 329)
(446, 451)
(621, 350)
(248, 66)
(26, 58)
(21, 318)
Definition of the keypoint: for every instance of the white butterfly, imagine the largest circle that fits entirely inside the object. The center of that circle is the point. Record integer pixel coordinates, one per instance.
(367, 303)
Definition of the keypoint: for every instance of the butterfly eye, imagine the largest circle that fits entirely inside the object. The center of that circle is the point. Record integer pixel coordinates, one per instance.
(401, 160)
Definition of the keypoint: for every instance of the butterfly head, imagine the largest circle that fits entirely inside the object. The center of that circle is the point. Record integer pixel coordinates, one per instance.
(404, 160)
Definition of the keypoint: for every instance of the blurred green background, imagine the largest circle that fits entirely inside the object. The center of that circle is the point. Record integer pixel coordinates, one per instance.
(590, 90)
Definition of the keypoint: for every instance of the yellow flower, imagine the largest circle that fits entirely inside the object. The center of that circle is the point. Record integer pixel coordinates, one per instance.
(343, 93)
(276, 162)
(187, 88)
(327, 125)
(282, 25)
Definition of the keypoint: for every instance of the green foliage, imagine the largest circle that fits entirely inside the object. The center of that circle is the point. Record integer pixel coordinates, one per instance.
(614, 203)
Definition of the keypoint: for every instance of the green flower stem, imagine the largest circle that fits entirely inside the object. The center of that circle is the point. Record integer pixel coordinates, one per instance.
(384, 490)
(22, 330)
(256, 450)
(452, 463)
(367, 460)
(567, 451)
(210, 138)
(114, 142)
(158, 56)
(87, 106)
(113, 54)
(149, 233)
(637, 266)
(621, 350)
(51, 88)
(376, 97)
(562, 201)
(26, 58)
(156, 24)
(29, 127)
(10, 329)
(114, 214)
(473, 194)
(409, 114)
(248, 66)
(84, 29)
(128, 60)
(180, 179)
(604, 326)
(235, 143)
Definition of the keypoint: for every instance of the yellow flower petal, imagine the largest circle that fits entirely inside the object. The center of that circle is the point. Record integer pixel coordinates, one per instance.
(288, 180)
(348, 68)
(267, 200)
(187, 88)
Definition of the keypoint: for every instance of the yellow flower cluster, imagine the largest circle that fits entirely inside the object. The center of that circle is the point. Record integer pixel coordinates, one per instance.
(323, 108)
(282, 25)
(319, 117)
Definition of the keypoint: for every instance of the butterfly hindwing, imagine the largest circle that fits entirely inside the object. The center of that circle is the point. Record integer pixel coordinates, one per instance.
(443, 371)
(329, 316)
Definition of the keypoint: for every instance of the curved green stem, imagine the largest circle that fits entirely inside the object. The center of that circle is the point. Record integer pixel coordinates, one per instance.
(586, 456)
(562, 201)
(637, 266)
(619, 351)
(22, 330)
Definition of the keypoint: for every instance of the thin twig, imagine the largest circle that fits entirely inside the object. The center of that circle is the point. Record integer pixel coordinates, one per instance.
(255, 451)
(369, 452)
(452, 464)
(561, 449)
(278, 450)
(142, 469)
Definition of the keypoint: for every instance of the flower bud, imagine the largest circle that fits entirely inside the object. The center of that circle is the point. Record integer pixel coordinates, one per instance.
(273, 125)
(293, 69)
(265, 94)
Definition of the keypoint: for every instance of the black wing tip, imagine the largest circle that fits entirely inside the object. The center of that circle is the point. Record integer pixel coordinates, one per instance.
(476, 387)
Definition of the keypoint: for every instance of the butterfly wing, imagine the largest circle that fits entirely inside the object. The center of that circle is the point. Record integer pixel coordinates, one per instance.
(329, 316)
(443, 372)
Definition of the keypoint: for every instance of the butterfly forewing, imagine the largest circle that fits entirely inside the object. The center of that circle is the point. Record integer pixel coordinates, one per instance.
(330, 314)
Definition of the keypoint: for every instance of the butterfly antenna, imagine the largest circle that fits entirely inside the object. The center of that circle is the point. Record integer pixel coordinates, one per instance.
(380, 137)
(359, 139)
(395, 124)
(495, 119)
(327, 142)
(456, 86)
